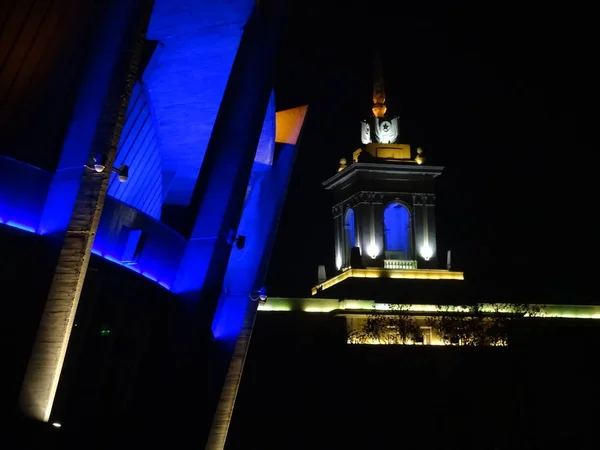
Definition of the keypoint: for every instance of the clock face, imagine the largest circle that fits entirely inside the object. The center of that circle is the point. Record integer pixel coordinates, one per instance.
(365, 133)
(387, 131)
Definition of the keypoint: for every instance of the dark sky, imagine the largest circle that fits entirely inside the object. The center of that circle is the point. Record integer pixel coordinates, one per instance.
(498, 94)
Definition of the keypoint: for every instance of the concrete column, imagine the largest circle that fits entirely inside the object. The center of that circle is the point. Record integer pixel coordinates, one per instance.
(259, 224)
(77, 195)
(236, 314)
(220, 426)
(218, 197)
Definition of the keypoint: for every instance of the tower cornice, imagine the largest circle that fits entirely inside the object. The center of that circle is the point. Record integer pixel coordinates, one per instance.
(411, 171)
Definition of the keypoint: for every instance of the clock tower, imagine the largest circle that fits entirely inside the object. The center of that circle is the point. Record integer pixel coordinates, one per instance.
(384, 205)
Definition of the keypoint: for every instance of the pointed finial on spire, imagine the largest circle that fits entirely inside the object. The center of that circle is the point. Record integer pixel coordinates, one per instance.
(379, 107)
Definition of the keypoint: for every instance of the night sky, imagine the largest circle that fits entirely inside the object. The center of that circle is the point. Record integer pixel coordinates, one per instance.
(497, 94)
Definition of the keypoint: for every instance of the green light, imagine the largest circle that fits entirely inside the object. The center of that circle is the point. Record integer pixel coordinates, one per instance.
(104, 331)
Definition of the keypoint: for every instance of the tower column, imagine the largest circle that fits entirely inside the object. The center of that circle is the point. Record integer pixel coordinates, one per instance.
(363, 220)
(338, 228)
(429, 224)
(424, 223)
(378, 228)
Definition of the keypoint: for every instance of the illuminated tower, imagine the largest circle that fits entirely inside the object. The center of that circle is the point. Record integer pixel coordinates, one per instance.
(384, 213)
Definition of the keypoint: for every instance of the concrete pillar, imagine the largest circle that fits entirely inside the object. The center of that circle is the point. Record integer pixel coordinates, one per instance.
(76, 198)
(219, 193)
(236, 314)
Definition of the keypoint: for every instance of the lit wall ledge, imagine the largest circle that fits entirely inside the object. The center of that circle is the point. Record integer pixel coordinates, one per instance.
(300, 304)
(369, 307)
(400, 168)
(418, 274)
(125, 236)
(369, 322)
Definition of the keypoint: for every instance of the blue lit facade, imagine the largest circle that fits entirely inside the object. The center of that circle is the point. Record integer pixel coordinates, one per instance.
(24, 194)
(168, 125)
(188, 64)
(199, 44)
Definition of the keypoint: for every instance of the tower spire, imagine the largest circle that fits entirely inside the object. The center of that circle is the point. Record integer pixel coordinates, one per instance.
(379, 107)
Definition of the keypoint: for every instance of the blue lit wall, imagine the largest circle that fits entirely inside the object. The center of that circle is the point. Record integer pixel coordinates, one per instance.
(23, 191)
(246, 268)
(243, 263)
(350, 229)
(169, 122)
(267, 182)
(83, 128)
(396, 220)
(200, 40)
(160, 248)
(194, 267)
(139, 149)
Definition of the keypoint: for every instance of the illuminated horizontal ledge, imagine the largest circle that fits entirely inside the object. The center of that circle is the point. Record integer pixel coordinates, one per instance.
(95, 251)
(20, 226)
(433, 343)
(398, 167)
(132, 268)
(353, 307)
(408, 274)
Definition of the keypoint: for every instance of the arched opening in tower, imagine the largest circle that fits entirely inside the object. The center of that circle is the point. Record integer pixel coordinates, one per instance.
(349, 233)
(396, 221)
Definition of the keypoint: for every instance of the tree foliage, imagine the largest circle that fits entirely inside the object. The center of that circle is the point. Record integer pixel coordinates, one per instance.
(398, 328)
(471, 325)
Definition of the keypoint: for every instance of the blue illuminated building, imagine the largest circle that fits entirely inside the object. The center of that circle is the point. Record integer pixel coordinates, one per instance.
(193, 192)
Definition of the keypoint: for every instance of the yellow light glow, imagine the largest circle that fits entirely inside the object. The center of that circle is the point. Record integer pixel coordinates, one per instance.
(267, 307)
(288, 124)
(378, 342)
(415, 274)
(324, 305)
(373, 250)
(357, 304)
(313, 309)
(389, 151)
(426, 252)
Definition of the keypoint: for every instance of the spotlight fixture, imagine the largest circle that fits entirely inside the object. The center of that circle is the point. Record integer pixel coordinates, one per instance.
(99, 164)
(426, 252)
(239, 241)
(122, 172)
(259, 295)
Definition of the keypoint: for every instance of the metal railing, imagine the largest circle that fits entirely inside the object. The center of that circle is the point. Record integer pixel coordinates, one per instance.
(399, 264)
